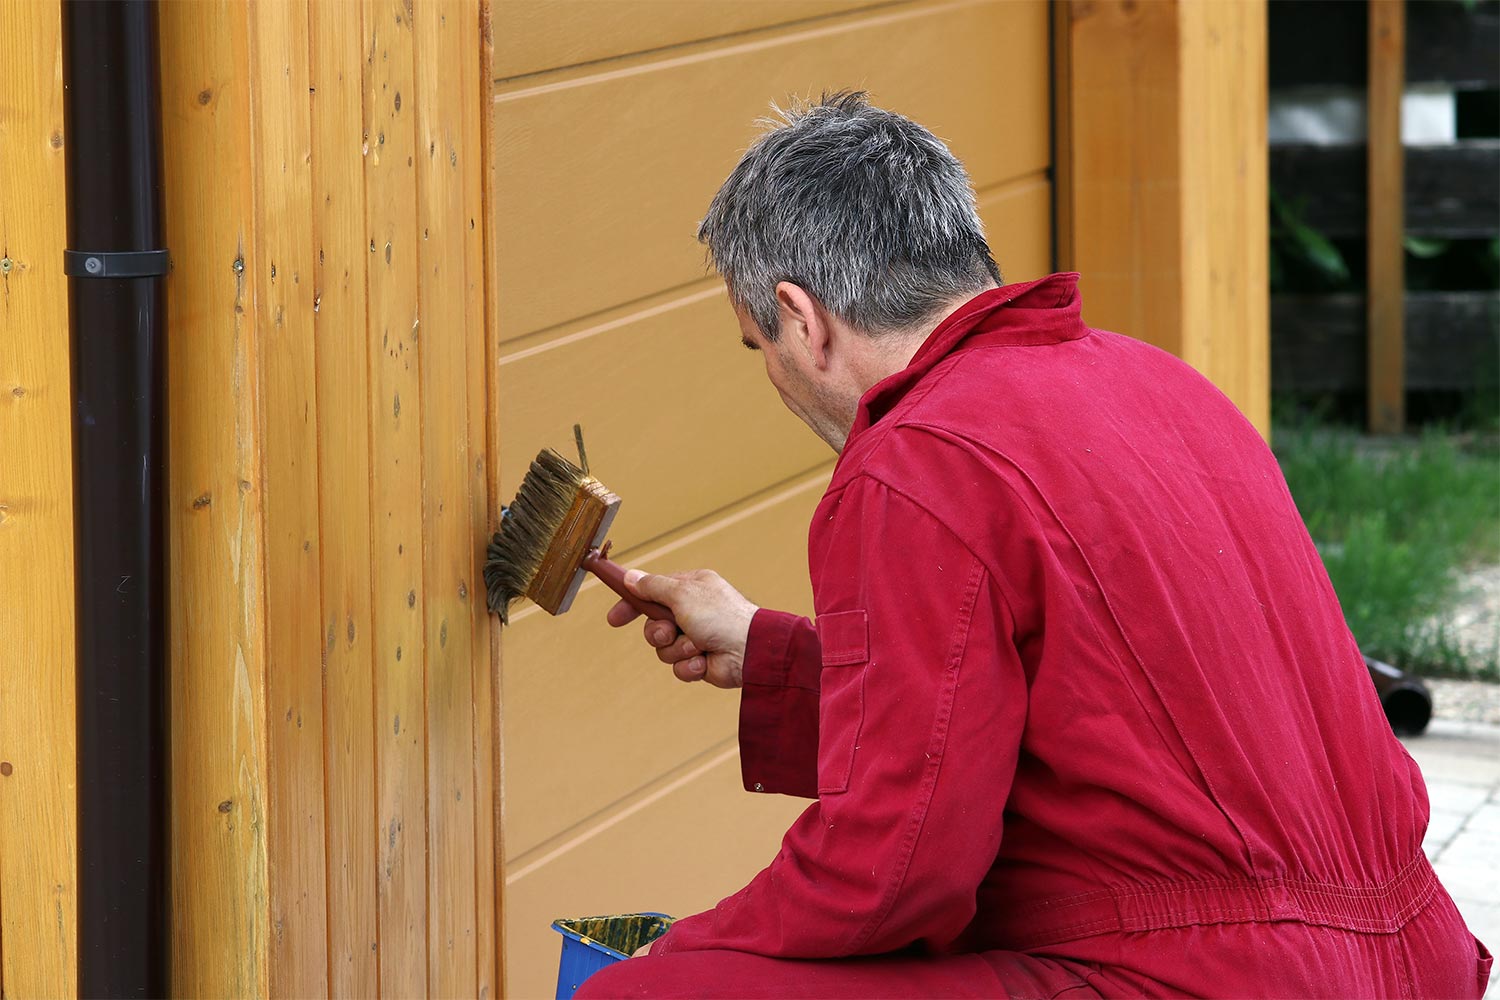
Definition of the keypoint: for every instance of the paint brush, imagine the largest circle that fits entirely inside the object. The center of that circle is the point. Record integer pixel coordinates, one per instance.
(551, 534)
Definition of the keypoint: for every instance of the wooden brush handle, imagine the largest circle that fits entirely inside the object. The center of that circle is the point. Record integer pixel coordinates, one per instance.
(613, 575)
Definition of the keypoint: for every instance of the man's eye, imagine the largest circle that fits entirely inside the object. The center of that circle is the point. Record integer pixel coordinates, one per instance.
(748, 346)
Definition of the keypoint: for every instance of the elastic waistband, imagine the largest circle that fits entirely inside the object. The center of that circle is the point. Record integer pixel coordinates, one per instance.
(1374, 909)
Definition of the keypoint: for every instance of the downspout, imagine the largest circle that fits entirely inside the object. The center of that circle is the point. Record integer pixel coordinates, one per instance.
(116, 263)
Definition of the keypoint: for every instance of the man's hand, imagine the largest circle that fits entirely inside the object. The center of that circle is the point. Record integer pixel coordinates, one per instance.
(713, 616)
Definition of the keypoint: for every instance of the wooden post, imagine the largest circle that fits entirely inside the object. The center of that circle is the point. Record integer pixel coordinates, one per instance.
(1161, 161)
(1385, 276)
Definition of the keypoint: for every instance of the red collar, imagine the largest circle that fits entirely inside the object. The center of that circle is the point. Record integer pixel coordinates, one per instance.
(1032, 313)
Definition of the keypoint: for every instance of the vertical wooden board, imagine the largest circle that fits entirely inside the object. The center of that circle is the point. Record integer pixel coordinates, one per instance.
(478, 319)
(1125, 206)
(634, 859)
(1386, 276)
(38, 819)
(343, 406)
(283, 270)
(451, 592)
(396, 478)
(1226, 302)
(218, 823)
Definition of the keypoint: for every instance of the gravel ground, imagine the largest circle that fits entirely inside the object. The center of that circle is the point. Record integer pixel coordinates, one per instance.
(1476, 624)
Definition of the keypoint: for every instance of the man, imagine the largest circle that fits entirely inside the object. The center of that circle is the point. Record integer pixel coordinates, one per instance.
(1079, 708)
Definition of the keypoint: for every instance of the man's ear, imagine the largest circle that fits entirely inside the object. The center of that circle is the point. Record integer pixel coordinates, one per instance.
(804, 320)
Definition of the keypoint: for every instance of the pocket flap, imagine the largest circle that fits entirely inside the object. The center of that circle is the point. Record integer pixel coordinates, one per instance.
(845, 637)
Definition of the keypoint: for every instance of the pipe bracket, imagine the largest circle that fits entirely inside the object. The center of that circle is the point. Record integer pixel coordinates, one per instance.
(116, 263)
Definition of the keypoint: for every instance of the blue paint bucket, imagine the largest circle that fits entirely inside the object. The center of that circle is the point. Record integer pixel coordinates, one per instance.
(591, 943)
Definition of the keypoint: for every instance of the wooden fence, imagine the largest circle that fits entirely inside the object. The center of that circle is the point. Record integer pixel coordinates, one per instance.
(1449, 340)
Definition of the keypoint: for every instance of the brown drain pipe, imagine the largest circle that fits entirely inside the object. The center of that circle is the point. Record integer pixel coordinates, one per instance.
(116, 264)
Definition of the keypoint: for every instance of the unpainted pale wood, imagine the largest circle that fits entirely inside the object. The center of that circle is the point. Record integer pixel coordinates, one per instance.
(38, 815)
(394, 341)
(452, 594)
(1017, 221)
(283, 265)
(566, 154)
(538, 35)
(634, 857)
(484, 510)
(668, 380)
(593, 714)
(219, 879)
(1385, 272)
(341, 258)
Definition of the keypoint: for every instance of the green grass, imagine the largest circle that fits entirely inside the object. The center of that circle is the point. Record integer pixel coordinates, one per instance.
(1395, 520)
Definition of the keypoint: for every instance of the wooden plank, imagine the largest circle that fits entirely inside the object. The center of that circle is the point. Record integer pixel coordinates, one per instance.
(38, 816)
(452, 592)
(1451, 191)
(1170, 233)
(1225, 244)
(539, 35)
(562, 211)
(745, 442)
(283, 267)
(343, 406)
(628, 860)
(220, 882)
(484, 493)
(1453, 43)
(1318, 341)
(1017, 221)
(1385, 272)
(396, 479)
(602, 717)
(1063, 166)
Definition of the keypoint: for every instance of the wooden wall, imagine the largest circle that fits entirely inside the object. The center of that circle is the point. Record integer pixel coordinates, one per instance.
(1162, 180)
(333, 704)
(614, 124)
(38, 863)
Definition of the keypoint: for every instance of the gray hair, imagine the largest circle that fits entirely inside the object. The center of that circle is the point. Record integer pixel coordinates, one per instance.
(864, 209)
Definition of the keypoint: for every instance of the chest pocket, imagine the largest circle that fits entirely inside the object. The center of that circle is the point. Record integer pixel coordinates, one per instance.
(844, 637)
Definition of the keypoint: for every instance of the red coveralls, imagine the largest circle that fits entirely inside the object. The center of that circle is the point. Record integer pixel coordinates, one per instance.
(1080, 710)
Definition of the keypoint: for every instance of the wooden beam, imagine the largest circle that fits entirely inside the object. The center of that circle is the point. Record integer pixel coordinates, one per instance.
(1386, 278)
(1162, 178)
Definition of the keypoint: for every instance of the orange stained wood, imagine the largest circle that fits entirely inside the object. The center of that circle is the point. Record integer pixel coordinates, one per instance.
(38, 881)
(282, 263)
(1170, 234)
(543, 34)
(1387, 205)
(220, 881)
(586, 190)
(484, 494)
(451, 593)
(393, 340)
(340, 325)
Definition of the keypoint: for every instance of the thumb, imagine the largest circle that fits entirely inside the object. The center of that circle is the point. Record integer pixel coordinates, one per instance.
(652, 586)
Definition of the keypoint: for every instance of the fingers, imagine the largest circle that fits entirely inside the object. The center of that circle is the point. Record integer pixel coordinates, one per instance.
(680, 648)
(654, 586)
(623, 613)
(691, 669)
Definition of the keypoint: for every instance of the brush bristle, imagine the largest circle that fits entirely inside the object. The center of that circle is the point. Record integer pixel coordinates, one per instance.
(531, 521)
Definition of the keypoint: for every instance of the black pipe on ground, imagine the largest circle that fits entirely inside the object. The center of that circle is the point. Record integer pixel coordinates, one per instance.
(116, 263)
(1406, 700)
